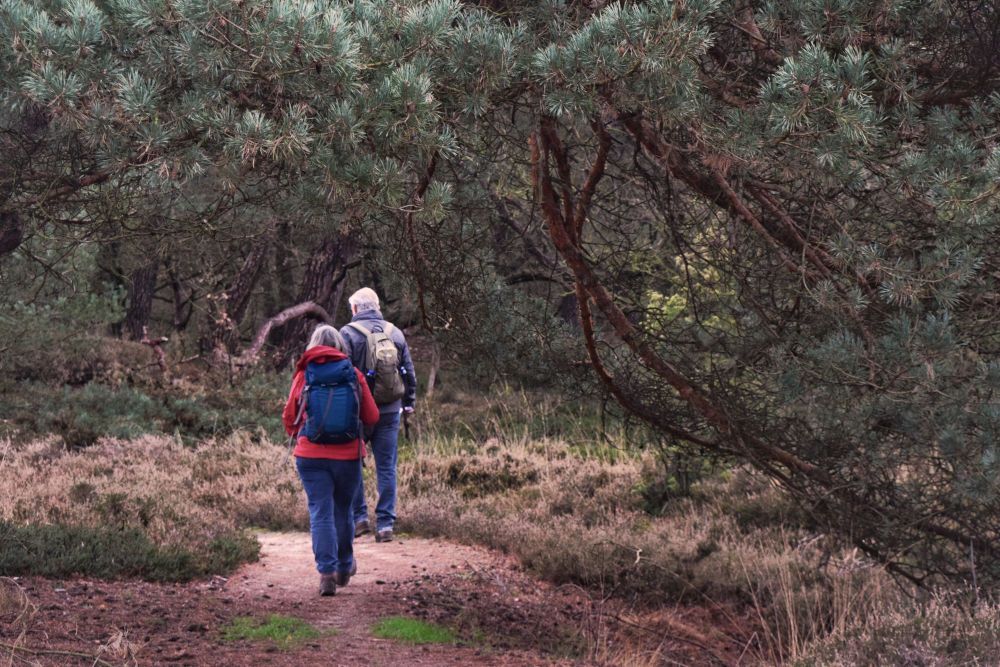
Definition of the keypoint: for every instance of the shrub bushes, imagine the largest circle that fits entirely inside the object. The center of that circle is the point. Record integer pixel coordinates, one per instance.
(82, 415)
(734, 539)
(110, 553)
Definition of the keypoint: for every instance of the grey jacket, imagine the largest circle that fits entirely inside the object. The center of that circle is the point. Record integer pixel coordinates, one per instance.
(357, 348)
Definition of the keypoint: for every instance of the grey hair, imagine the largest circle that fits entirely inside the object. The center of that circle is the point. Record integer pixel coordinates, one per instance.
(364, 299)
(326, 335)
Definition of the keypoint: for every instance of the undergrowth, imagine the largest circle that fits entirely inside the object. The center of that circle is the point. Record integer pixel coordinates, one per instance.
(520, 475)
(191, 502)
(63, 551)
(81, 416)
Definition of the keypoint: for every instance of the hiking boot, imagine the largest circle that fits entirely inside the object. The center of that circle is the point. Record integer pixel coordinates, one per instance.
(344, 578)
(362, 528)
(327, 584)
(384, 535)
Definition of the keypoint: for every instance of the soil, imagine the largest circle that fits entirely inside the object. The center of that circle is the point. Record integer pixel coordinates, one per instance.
(503, 616)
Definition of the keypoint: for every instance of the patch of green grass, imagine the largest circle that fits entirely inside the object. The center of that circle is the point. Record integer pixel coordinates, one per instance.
(285, 631)
(412, 631)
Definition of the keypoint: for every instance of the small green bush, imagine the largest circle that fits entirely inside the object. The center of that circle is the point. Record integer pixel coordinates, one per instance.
(108, 553)
(412, 631)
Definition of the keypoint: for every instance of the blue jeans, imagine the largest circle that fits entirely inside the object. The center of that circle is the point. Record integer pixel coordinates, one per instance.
(330, 487)
(384, 451)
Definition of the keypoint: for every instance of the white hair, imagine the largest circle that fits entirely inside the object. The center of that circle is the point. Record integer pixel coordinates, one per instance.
(364, 299)
(326, 335)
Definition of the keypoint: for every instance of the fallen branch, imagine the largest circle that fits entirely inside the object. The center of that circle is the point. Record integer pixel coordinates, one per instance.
(50, 651)
(251, 355)
(156, 344)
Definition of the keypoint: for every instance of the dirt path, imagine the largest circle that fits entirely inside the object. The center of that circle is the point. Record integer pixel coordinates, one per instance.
(182, 623)
(286, 578)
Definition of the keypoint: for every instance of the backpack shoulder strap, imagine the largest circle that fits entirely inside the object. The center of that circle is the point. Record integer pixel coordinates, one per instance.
(357, 327)
(369, 359)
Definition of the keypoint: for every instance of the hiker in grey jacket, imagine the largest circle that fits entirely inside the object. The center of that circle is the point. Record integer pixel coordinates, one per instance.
(373, 343)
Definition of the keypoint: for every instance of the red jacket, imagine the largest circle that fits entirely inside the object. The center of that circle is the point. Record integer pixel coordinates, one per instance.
(310, 450)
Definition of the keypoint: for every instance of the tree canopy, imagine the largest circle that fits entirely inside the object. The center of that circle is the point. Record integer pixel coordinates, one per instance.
(768, 230)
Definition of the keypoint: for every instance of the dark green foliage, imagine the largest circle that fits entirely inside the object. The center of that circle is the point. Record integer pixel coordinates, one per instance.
(82, 415)
(111, 553)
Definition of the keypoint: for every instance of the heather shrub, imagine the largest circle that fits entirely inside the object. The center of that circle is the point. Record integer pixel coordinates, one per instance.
(944, 631)
(734, 538)
(81, 359)
(82, 415)
(53, 550)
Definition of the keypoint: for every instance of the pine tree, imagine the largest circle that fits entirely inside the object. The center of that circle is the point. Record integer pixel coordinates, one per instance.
(778, 220)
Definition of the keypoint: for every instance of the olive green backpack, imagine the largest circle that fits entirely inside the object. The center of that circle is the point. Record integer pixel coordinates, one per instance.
(382, 365)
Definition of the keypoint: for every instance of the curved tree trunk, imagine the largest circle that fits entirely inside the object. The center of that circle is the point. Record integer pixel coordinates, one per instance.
(183, 303)
(321, 277)
(308, 309)
(230, 307)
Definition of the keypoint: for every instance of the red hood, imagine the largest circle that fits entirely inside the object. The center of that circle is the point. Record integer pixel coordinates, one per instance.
(320, 353)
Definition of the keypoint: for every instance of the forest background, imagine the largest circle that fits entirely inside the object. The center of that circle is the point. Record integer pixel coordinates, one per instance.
(732, 255)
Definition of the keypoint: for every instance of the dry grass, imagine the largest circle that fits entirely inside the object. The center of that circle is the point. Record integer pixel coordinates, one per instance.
(572, 513)
(732, 546)
(16, 612)
(180, 497)
(942, 631)
(172, 492)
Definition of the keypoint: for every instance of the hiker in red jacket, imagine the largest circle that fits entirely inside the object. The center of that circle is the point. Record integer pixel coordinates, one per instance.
(327, 405)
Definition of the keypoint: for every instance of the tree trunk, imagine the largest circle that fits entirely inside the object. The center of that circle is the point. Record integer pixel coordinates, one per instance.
(110, 274)
(284, 278)
(231, 305)
(435, 368)
(308, 309)
(183, 304)
(11, 233)
(141, 288)
(322, 275)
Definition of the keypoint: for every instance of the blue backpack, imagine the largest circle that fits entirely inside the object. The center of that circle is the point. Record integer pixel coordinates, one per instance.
(332, 403)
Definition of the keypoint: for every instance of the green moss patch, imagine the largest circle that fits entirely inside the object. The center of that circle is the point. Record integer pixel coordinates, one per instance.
(412, 631)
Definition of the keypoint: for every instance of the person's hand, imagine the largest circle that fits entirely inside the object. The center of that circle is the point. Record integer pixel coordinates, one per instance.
(408, 409)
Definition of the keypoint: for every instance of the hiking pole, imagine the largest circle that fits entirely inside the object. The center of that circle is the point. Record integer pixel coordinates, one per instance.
(288, 450)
